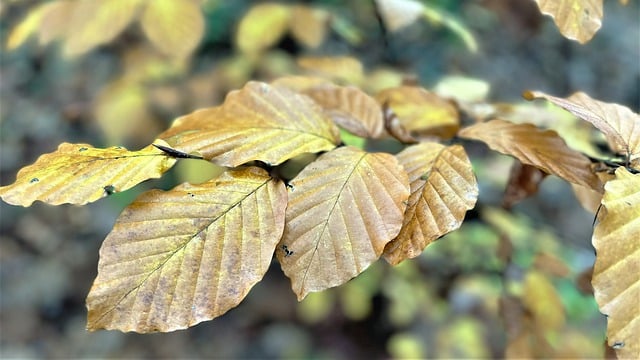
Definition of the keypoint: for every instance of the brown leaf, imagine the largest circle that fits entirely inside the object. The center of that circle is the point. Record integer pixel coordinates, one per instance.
(576, 19)
(261, 27)
(443, 188)
(616, 280)
(543, 149)
(524, 181)
(350, 108)
(309, 25)
(79, 174)
(343, 209)
(187, 255)
(259, 122)
(620, 125)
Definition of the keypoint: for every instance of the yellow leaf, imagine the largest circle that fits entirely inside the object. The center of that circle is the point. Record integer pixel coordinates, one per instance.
(542, 300)
(175, 27)
(180, 257)
(543, 149)
(344, 69)
(262, 27)
(620, 125)
(27, 27)
(259, 122)
(576, 19)
(443, 188)
(309, 25)
(350, 108)
(343, 209)
(79, 174)
(616, 273)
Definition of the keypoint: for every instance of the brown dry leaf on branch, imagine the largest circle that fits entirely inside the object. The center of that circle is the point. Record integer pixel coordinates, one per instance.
(524, 181)
(180, 257)
(543, 149)
(443, 188)
(618, 123)
(616, 273)
(79, 174)
(258, 122)
(576, 19)
(343, 209)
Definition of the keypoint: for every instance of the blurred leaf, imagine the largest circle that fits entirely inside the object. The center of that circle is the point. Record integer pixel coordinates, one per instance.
(443, 188)
(543, 149)
(576, 19)
(438, 16)
(261, 27)
(343, 209)
(259, 122)
(177, 258)
(462, 88)
(343, 69)
(175, 27)
(524, 181)
(79, 174)
(309, 25)
(402, 345)
(299, 83)
(542, 300)
(397, 14)
(616, 282)
(28, 26)
(462, 338)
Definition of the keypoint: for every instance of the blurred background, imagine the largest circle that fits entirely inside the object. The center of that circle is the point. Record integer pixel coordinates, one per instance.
(508, 283)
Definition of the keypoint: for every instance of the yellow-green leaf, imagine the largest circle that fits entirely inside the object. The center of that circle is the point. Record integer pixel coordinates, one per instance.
(259, 122)
(616, 273)
(543, 149)
(443, 188)
(343, 209)
(175, 27)
(180, 257)
(262, 27)
(79, 174)
(576, 19)
(27, 27)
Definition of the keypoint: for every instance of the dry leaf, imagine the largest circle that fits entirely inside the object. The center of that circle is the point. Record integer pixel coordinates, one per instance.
(309, 25)
(616, 273)
(342, 69)
(524, 181)
(443, 188)
(177, 258)
(343, 209)
(262, 26)
(542, 300)
(543, 149)
(79, 174)
(299, 83)
(576, 19)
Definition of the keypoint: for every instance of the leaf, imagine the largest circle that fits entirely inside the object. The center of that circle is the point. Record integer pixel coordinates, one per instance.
(309, 25)
(620, 125)
(343, 209)
(341, 68)
(543, 149)
(350, 108)
(27, 27)
(79, 174)
(177, 258)
(421, 112)
(262, 27)
(616, 282)
(576, 19)
(524, 181)
(443, 188)
(397, 14)
(175, 27)
(259, 122)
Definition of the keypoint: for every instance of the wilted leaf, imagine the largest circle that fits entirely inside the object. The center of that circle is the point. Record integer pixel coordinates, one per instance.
(175, 27)
(524, 181)
(576, 19)
(343, 209)
(350, 108)
(309, 25)
(262, 27)
(616, 273)
(345, 69)
(620, 125)
(177, 258)
(421, 112)
(79, 174)
(543, 149)
(443, 188)
(397, 14)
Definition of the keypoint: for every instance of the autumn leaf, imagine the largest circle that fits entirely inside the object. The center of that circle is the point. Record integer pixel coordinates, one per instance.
(344, 69)
(443, 188)
(524, 181)
(350, 108)
(616, 280)
(262, 26)
(397, 14)
(620, 125)
(576, 19)
(343, 209)
(28, 26)
(259, 122)
(309, 25)
(180, 257)
(79, 174)
(543, 149)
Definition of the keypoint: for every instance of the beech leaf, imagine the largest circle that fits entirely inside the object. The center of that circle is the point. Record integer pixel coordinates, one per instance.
(544, 149)
(180, 257)
(616, 279)
(576, 19)
(343, 209)
(309, 25)
(261, 27)
(443, 188)
(259, 122)
(79, 174)
(620, 125)
(524, 181)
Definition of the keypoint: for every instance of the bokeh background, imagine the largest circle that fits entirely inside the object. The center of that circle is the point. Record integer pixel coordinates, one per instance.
(472, 294)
